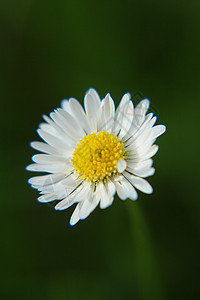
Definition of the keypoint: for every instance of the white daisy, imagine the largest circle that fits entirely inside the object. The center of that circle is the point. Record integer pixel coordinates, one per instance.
(91, 154)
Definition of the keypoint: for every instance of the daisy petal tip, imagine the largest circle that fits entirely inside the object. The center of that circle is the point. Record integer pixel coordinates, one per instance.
(91, 90)
(73, 222)
(164, 128)
(146, 100)
(128, 95)
(107, 96)
(63, 102)
(104, 206)
(39, 199)
(145, 104)
(38, 131)
(31, 144)
(58, 206)
(52, 114)
(150, 190)
(44, 117)
(30, 180)
(152, 171)
(121, 165)
(133, 198)
(28, 168)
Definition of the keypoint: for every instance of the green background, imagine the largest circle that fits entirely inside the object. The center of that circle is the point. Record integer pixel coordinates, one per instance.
(148, 249)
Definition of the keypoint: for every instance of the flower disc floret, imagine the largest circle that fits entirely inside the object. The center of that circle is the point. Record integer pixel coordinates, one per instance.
(96, 155)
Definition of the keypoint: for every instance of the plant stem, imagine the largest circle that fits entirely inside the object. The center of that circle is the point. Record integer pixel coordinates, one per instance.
(145, 263)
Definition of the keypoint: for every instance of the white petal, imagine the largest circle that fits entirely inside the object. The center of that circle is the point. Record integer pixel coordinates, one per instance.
(158, 130)
(153, 150)
(61, 188)
(78, 195)
(92, 105)
(143, 172)
(65, 105)
(47, 128)
(79, 113)
(47, 198)
(75, 195)
(84, 207)
(127, 120)
(46, 179)
(144, 154)
(140, 183)
(75, 216)
(49, 159)
(95, 95)
(89, 204)
(121, 190)
(106, 114)
(67, 202)
(53, 168)
(141, 168)
(40, 146)
(125, 99)
(123, 116)
(141, 142)
(108, 191)
(121, 165)
(138, 152)
(53, 141)
(138, 136)
(139, 114)
(125, 189)
(140, 165)
(59, 131)
(103, 193)
(110, 187)
(68, 123)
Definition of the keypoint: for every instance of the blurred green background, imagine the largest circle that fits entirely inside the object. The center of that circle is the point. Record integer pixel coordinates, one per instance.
(50, 50)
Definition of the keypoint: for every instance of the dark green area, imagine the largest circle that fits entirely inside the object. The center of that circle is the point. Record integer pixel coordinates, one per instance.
(50, 50)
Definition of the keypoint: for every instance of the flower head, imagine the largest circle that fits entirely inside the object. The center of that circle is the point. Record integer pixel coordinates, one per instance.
(91, 154)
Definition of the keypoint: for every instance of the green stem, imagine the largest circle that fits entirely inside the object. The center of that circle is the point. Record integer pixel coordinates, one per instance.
(147, 273)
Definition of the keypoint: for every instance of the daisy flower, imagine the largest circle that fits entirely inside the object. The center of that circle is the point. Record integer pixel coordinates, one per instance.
(95, 152)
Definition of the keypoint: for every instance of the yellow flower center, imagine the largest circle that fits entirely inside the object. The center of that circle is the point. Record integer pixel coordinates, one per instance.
(96, 155)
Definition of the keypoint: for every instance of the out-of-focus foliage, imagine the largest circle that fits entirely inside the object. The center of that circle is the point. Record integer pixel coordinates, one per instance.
(52, 50)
